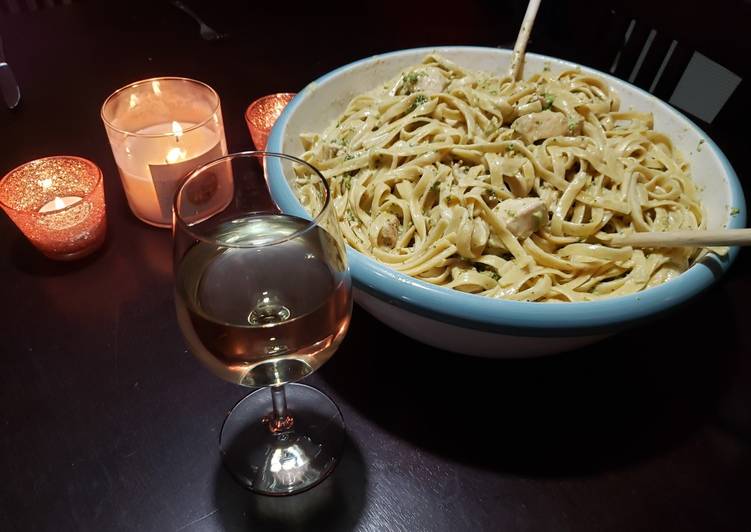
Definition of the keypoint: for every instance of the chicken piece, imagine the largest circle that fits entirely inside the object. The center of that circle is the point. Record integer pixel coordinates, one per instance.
(432, 81)
(523, 216)
(427, 79)
(542, 125)
(385, 230)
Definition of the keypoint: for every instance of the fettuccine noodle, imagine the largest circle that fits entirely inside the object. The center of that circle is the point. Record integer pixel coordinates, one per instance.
(505, 189)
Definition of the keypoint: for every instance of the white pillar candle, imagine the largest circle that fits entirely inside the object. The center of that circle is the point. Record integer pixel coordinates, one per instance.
(152, 164)
(160, 130)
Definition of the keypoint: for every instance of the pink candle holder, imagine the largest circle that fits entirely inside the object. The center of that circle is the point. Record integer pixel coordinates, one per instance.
(262, 114)
(58, 204)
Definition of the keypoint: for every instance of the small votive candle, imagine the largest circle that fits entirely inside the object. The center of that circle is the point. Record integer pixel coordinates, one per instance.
(160, 129)
(58, 204)
(261, 115)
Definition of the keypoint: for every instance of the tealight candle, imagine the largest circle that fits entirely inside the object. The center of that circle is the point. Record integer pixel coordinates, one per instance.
(58, 203)
(160, 129)
(262, 113)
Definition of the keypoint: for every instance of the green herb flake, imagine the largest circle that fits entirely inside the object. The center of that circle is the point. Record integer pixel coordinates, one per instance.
(486, 269)
(410, 80)
(572, 124)
(418, 101)
(549, 99)
(349, 157)
(735, 211)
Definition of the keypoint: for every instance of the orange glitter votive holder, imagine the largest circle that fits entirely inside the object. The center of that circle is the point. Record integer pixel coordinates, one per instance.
(262, 114)
(58, 204)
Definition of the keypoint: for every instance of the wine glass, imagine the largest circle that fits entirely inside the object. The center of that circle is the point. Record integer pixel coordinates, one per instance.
(263, 299)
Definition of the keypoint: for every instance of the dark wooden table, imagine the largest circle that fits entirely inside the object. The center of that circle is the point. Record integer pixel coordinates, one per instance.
(108, 423)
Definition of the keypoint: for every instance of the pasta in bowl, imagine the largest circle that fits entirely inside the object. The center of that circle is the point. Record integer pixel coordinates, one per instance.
(452, 182)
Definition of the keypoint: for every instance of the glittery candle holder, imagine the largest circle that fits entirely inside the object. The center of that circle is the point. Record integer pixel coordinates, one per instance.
(262, 114)
(58, 204)
(160, 129)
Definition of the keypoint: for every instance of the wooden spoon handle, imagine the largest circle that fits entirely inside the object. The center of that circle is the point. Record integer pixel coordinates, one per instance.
(517, 56)
(669, 239)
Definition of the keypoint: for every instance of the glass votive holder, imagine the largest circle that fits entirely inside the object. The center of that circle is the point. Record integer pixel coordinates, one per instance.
(58, 204)
(261, 115)
(160, 129)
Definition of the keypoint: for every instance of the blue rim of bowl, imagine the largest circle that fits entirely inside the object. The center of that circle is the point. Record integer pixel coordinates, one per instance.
(514, 317)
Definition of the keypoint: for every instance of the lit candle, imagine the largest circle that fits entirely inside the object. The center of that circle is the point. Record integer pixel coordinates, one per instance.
(261, 115)
(160, 130)
(155, 163)
(58, 203)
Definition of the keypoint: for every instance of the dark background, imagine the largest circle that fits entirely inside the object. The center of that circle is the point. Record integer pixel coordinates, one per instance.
(107, 422)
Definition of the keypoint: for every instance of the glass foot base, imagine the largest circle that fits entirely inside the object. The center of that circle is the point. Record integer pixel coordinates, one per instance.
(290, 460)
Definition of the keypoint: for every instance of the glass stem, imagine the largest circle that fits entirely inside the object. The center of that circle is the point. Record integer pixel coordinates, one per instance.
(280, 419)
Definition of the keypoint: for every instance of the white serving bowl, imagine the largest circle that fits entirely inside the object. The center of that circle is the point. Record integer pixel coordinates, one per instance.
(477, 325)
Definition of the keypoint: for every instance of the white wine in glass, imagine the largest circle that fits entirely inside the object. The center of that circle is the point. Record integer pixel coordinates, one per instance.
(263, 299)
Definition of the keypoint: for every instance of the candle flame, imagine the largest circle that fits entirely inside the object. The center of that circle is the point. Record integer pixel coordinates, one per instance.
(59, 203)
(177, 130)
(156, 88)
(45, 183)
(133, 101)
(175, 154)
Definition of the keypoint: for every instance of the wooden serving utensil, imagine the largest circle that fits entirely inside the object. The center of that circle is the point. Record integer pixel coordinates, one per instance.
(517, 56)
(670, 239)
